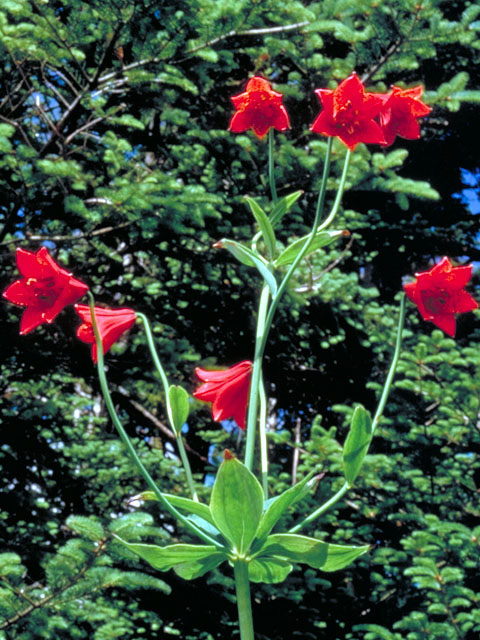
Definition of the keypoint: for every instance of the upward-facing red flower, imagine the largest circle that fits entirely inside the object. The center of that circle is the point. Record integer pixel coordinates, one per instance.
(439, 294)
(228, 390)
(44, 288)
(398, 116)
(112, 323)
(348, 113)
(259, 108)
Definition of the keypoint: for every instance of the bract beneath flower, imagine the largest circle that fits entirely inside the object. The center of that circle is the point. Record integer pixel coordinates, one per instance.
(112, 323)
(44, 289)
(348, 113)
(259, 108)
(439, 294)
(227, 390)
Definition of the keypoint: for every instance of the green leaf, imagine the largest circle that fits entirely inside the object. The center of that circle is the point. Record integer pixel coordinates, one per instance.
(183, 504)
(174, 555)
(251, 259)
(283, 206)
(242, 253)
(237, 503)
(269, 570)
(179, 406)
(264, 224)
(322, 239)
(197, 568)
(357, 443)
(206, 526)
(278, 505)
(315, 553)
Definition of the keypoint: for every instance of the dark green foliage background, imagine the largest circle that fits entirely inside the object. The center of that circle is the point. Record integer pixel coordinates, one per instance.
(114, 147)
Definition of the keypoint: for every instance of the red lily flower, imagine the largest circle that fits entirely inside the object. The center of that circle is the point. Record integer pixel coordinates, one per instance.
(259, 108)
(112, 323)
(439, 294)
(228, 390)
(44, 289)
(398, 116)
(348, 113)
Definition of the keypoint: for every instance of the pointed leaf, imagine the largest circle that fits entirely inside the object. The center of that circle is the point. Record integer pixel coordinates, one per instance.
(179, 406)
(269, 570)
(237, 503)
(165, 558)
(211, 529)
(278, 505)
(315, 553)
(282, 206)
(197, 568)
(264, 224)
(322, 239)
(248, 257)
(357, 443)
(183, 504)
(239, 251)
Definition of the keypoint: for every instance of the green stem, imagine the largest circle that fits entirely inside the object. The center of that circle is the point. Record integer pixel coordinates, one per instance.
(166, 388)
(244, 604)
(393, 366)
(186, 466)
(376, 419)
(263, 439)
(153, 351)
(271, 167)
(256, 378)
(321, 509)
(338, 199)
(127, 442)
(264, 324)
(306, 246)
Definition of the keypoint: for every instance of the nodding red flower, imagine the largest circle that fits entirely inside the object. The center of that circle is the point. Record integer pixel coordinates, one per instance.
(112, 323)
(439, 294)
(348, 113)
(44, 288)
(259, 108)
(398, 116)
(227, 390)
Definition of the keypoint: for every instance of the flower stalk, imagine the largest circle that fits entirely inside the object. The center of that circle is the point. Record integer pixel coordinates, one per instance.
(256, 377)
(271, 167)
(127, 442)
(166, 387)
(378, 414)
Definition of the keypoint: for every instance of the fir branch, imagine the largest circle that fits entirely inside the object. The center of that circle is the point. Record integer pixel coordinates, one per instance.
(63, 41)
(393, 48)
(44, 601)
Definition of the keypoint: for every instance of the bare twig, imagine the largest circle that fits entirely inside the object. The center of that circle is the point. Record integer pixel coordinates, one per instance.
(248, 32)
(62, 238)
